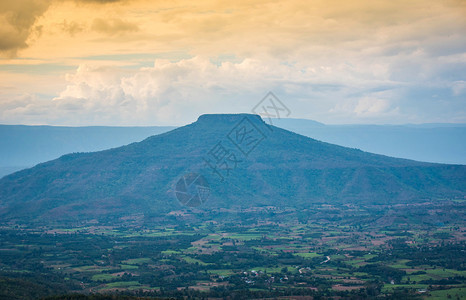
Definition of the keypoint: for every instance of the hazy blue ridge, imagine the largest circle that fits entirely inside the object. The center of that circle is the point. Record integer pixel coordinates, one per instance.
(284, 168)
(440, 143)
(25, 146)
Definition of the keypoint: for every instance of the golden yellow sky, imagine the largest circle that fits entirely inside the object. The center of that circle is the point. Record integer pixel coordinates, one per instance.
(140, 62)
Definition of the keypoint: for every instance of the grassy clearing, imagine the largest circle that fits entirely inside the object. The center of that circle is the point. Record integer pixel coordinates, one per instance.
(442, 273)
(308, 255)
(170, 252)
(401, 264)
(87, 268)
(222, 272)
(388, 288)
(191, 260)
(263, 250)
(123, 284)
(369, 256)
(102, 277)
(190, 250)
(419, 277)
(355, 262)
(455, 293)
(128, 267)
(71, 229)
(214, 237)
(143, 287)
(268, 270)
(137, 261)
(245, 237)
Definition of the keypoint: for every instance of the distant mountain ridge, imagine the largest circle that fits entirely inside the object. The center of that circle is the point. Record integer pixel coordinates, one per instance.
(274, 167)
(25, 146)
(441, 143)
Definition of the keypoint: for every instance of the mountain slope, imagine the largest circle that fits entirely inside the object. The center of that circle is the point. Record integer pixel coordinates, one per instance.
(270, 166)
(25, 146)
(442, 143)
(22, 146)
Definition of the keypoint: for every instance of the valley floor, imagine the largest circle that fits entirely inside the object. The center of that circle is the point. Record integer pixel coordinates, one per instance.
(410, 251)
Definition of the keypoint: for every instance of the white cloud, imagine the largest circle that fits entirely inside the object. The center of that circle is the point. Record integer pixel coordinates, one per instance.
(347, 90)
(371, 106)
(459, 87)
(164, 93)
(173, 92)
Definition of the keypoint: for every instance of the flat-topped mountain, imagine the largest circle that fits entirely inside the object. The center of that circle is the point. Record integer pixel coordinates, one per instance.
(245, 162)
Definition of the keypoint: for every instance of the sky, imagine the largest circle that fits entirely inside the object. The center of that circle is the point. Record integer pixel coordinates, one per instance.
(150, 62)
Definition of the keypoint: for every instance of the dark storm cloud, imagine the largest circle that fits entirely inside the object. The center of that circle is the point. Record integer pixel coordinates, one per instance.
(17, 19)
(113, 26)
(99, 1)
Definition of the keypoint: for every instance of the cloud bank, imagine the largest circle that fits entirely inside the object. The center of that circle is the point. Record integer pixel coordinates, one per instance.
(333, 61)
(177, 92)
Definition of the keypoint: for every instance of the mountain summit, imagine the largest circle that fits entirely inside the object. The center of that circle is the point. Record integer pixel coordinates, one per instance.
(236, 159)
